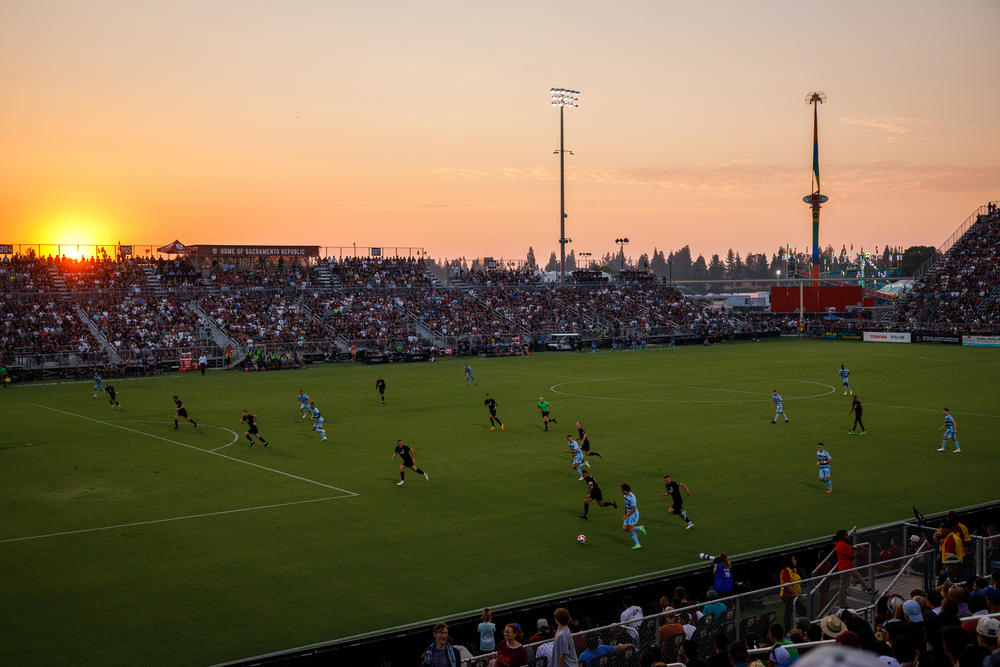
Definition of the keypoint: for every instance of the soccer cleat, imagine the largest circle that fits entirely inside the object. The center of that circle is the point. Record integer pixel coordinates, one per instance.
(492, 428)
(175, 425)
(689, 526)
(637, 546)
(401, 482)
(829, 490)
(941, 449)
(266, 443)
(850, 433)
(324, 438)
(863, 432)
(845, 393)
(775, 421)
(642, 529)
(426, 476)
(584, 516)
(501, 427)
(957, 451)
(852, 392)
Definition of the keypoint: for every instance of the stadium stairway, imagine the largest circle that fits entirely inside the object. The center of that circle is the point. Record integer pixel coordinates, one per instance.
(95, 330)
(153, 279)
(58, 284)
(218, 335)
(324, 277)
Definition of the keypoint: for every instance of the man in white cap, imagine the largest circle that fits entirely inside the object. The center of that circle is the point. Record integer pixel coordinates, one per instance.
(986, 635)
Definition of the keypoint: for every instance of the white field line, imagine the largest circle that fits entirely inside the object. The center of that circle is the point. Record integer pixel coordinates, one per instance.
(221, 428)
(198, 449)
(174, 518)
(551, 596)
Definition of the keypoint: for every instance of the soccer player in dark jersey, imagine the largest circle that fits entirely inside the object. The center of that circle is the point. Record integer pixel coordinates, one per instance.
(380, 385)
(181, 411)
(674, 491)
(543, 407)
(112, 393)
(251, 422)
(491, 405)
(584, 441)
(594, 494)
(406, 453)
(857, 409)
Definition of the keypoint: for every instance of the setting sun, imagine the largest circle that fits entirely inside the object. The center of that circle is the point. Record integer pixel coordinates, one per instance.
(75, 235)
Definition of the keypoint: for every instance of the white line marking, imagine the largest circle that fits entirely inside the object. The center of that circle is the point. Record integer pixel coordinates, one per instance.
(764, 395)
(221, 428)
(197, 449)
(174, 518)
(558, 594)
(961, 361)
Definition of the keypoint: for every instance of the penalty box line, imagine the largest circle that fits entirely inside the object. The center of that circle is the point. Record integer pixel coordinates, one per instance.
(173, 518)
(199, 449)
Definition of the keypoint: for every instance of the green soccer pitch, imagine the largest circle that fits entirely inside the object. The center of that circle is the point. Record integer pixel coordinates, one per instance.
(123, 540)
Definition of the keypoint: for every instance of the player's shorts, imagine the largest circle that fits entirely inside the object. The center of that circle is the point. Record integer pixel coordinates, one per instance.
(252, 429)
(597, 494)
(303, 406)
(677, 507)
(182, 412)
(408, 463)
(585, 445)
(545, 414)
(493, 413)
(631, 519)
(319, 423)
(824, 472)
(578, 458)
(949, 433)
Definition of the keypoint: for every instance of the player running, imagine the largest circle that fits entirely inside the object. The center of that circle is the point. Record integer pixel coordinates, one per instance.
(112, 400)
(630, 522)
(380, 386)
(594, 494)
(778, 407)
(181, 411)
(844, 372)
(491, 405)
(584, 441)
(674, 491)
(98, 386)
(857, 409)
(251, 422)
(950, 431)
(543, 408)
(823, 460)
(318, 422)
(469, 377)
(303, 403)
(577, 453)
(406, 453)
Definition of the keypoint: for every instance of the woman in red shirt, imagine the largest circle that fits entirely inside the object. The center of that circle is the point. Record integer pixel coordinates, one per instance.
(510, 652)
(845, 565)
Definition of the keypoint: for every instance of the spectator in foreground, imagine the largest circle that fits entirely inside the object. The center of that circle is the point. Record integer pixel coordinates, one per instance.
(441, 653)
(595, 649)
(563, 650)
(715, 608)
(510, 652)
(487, 630)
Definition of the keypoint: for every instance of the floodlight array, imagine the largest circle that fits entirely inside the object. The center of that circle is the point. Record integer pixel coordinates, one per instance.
(563, 97)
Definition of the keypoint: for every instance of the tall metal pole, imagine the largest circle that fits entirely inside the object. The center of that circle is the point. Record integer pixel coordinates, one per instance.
(562, 203)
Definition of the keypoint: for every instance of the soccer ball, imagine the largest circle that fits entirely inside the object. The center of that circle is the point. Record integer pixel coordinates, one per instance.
(581, 538)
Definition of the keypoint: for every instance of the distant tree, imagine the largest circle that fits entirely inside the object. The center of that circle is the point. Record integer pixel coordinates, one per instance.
(571, 261)
(699, 270)
(682, 263)
(716, 269)
(659, 263)
(731, 264)
(914, 257)
(643, 264)
(530, 261)
(553, 264)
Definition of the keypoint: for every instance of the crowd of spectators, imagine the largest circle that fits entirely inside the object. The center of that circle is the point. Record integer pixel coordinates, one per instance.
(380, 273)
(36, 325)
(136, 324)
(962, 286)
(262, 318)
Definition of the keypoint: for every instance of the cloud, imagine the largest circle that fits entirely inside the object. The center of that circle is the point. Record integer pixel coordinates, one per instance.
(891, 128)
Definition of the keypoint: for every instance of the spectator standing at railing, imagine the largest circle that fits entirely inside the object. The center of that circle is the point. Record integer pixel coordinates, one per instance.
(845, 565)
(563, 649)
(631, 617)
(722, 570)
(790, 589)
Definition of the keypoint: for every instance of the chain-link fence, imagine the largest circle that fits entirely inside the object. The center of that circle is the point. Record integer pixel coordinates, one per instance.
(748, 616)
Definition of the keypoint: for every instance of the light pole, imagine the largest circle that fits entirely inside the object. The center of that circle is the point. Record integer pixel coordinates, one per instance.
(622, 242)
(587, 255)
(562, 98)
(670, 267)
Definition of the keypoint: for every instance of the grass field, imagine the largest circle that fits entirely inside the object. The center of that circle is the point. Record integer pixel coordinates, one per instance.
(123, 540)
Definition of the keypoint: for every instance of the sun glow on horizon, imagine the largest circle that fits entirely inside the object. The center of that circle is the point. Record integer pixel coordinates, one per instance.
(75, 235)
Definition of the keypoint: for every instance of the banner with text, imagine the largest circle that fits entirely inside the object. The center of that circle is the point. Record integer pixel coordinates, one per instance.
(981, 341)
(886, 337)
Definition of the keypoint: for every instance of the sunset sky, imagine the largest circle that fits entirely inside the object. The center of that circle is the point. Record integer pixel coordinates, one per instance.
(429, 124)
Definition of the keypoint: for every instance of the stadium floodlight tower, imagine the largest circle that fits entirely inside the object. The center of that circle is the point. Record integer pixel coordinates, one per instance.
(815, 199)
(562, 98)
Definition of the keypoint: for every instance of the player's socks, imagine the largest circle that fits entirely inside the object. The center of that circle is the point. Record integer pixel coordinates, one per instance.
(586, 510)
(501, 426)
(614, 504)
(266, 443)
(195, 423)
(553, 421)
(175, 423)
(402, 476)
(829, 485)
(250, 439)
(597, 454)
(635, 538)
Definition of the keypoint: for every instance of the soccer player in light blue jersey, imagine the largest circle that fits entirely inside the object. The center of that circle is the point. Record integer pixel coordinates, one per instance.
(823, 460)
(98, 385)
(303, 403)
(318, 422)
(469, 377)
(950, 429)
(779, 409)
(577, 453)
(844, 372)
(630, 522)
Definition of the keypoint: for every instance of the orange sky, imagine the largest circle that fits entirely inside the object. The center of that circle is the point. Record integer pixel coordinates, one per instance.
(428, 124)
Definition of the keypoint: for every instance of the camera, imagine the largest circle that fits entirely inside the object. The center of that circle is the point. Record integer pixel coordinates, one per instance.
(708, 557)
